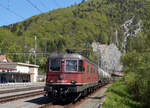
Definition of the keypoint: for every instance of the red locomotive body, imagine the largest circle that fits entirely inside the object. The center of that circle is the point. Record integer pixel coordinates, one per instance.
(70, 74)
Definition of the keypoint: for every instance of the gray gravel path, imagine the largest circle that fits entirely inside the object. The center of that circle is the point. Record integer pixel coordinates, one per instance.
(33, 102)
(9, 86)
(95, 100)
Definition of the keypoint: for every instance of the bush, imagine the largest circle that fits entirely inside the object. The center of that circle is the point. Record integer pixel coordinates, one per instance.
(118, 97)
(138, 76)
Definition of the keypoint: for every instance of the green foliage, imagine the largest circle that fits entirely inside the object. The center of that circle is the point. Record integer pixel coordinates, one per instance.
(95, 20)
(75, 26)
(136, 62)
(118, 97)
(136, 65)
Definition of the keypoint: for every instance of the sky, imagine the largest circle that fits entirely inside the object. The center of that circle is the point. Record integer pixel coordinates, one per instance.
(12, 11)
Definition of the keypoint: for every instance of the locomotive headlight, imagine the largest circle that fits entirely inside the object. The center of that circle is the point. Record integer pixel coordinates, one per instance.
(51, 81)
(73, 81)
(61, 76)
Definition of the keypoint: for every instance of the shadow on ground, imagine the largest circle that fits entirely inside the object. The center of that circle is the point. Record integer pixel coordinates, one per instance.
(40, 101)
(46, 100)
(97, 97)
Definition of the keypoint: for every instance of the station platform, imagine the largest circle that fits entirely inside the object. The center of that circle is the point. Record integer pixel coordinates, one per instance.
(8, 86)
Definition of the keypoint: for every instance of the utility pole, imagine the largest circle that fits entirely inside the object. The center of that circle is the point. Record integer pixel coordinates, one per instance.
(35, 47)
(45, 49)
(99, 58)
(116, 34)
(87, 49)
(24, 55)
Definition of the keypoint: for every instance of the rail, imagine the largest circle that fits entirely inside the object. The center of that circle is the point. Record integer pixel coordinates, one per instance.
(20, 96)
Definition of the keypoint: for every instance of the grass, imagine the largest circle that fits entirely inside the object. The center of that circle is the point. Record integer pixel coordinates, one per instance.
(119, 97)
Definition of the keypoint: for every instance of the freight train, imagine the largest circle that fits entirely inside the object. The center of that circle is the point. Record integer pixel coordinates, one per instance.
(70, 76)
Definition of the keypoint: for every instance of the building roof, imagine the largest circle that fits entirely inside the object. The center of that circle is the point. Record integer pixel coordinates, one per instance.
(118, 74)
(18, 63)
(7, 68)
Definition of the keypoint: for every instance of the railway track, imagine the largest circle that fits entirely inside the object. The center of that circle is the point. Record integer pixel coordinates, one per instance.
(45, 102)
(20, 96)
(20, 89)
(77, 103)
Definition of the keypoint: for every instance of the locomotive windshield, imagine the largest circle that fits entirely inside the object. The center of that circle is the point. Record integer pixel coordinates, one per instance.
(71, 65)
(55, 65)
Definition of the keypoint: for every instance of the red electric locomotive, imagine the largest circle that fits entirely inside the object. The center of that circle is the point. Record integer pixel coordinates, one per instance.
(70, 75)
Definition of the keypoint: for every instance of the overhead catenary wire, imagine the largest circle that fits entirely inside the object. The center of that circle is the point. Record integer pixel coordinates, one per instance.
(57, 3)
(71, 2)
(33, 5)
(11, 11)
(42, 3)
(8, 3)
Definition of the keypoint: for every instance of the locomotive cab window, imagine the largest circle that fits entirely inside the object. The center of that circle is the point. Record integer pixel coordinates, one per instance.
(55, 65)
(71, 65)
(81, 68)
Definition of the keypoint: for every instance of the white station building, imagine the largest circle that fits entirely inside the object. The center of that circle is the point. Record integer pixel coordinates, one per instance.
(18, 72)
